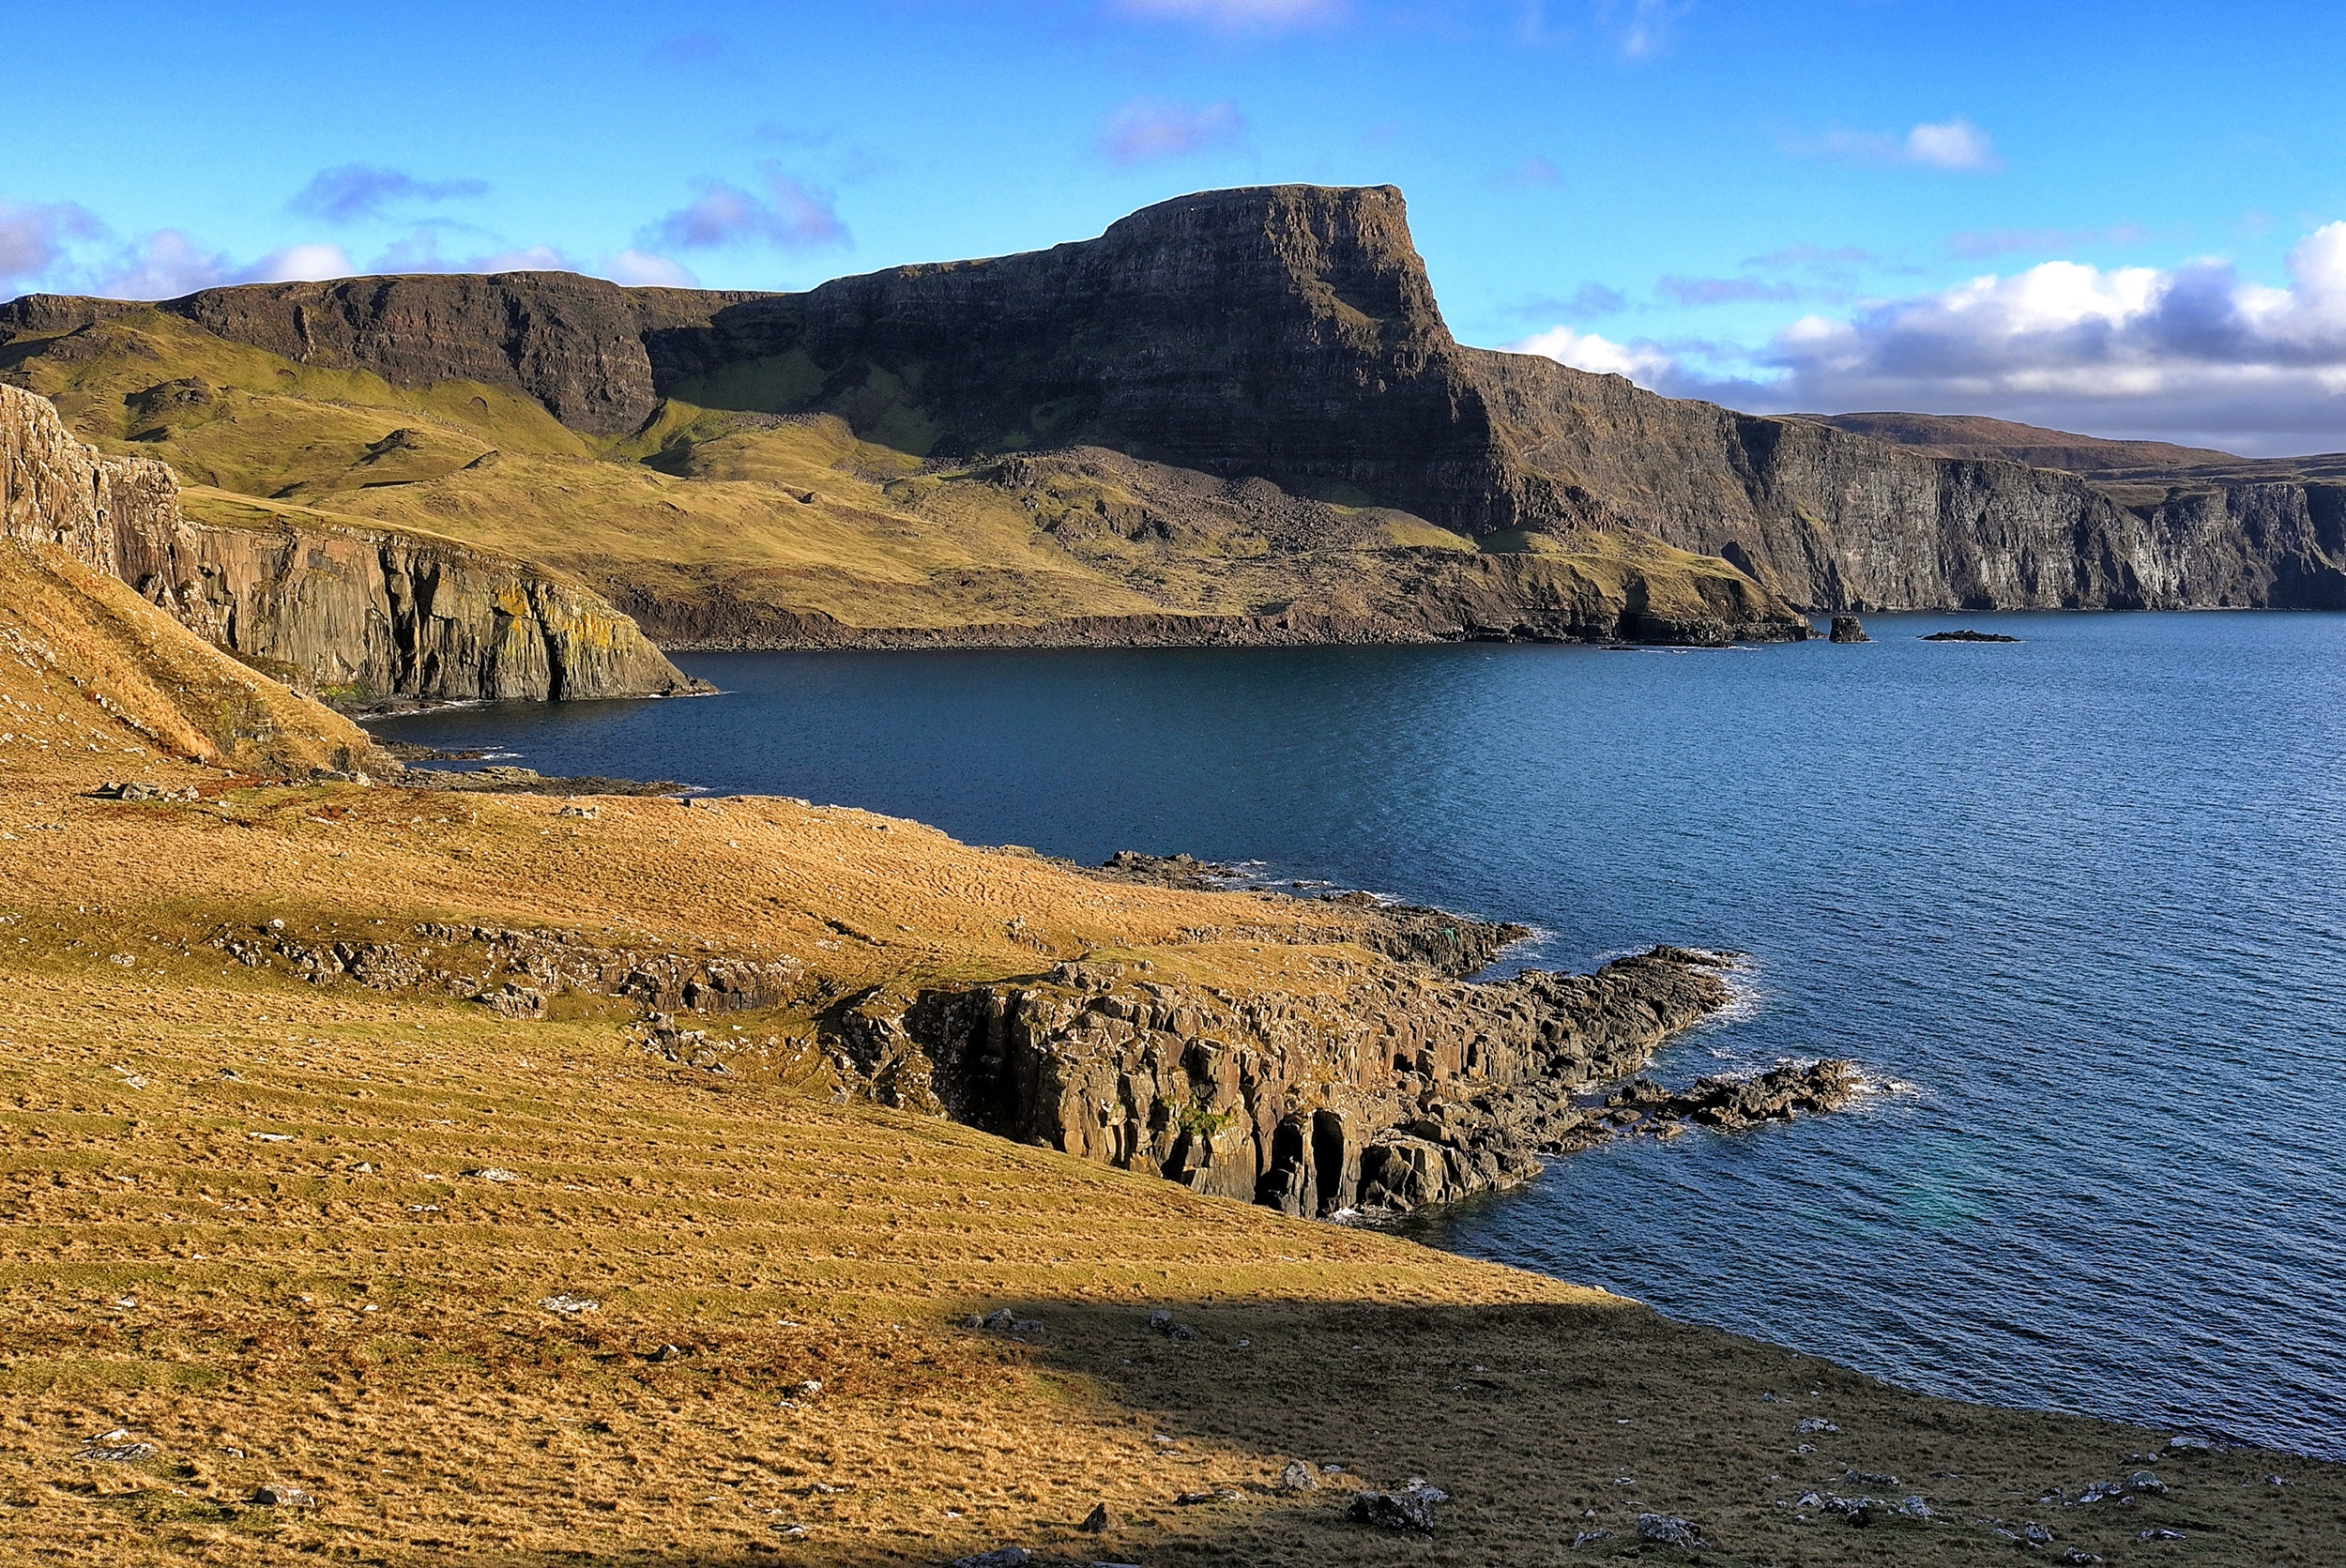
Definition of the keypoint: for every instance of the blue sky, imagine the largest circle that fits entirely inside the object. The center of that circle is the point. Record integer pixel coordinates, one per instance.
(2112, 218)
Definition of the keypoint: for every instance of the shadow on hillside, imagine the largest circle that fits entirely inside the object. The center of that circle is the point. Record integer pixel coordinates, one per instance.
(1547, 1425)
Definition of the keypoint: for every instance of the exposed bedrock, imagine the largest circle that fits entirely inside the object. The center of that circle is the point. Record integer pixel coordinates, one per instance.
(1395, 1092)
(366, 615)
(351, 612)
(1452, 946)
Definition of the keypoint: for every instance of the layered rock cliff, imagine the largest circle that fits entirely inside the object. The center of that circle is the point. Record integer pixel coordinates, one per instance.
(1400, 1090)
(351, 612)
(1288, 333)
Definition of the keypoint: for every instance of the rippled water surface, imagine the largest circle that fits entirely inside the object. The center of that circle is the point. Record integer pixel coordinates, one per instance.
(2087, 894)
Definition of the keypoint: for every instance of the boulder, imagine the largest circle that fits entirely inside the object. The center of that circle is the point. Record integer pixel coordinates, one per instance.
(1411, 1508)
(1668, 1529)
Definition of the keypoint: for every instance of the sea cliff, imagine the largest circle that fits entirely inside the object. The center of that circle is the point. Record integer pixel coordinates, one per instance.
(356, 614)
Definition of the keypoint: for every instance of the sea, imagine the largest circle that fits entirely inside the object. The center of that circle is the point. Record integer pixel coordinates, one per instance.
(2081, 898)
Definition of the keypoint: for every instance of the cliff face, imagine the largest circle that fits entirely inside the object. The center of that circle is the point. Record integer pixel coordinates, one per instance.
(362, 614)
(1400, 1091)
(1290, 333)
(1426, 596)
(348, 612)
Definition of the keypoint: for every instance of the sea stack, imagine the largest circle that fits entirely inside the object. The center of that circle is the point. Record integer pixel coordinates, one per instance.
(1846, 629)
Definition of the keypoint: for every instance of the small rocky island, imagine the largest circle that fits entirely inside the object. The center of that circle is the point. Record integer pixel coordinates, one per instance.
(1967, 635)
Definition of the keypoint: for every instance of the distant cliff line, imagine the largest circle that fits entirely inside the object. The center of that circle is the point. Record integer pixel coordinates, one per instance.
(1291, 333)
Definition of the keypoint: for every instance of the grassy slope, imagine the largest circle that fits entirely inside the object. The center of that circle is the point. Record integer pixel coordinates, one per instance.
(209, 1175)
(798, 516)
(83, 654)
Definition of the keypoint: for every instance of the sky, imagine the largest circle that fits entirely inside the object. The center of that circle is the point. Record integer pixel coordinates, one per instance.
(2128, 220)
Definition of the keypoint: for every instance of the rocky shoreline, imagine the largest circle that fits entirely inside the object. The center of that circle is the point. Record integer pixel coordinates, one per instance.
(1378, 1097)
(1391, 1086)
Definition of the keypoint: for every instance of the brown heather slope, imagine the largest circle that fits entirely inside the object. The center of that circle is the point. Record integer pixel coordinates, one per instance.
(99, 682)
(257, 1231)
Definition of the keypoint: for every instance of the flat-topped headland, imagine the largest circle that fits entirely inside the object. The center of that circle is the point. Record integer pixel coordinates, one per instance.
(1238, 417)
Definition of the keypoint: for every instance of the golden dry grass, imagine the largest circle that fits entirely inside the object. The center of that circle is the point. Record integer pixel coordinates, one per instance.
(236, 1223)
(94, 680)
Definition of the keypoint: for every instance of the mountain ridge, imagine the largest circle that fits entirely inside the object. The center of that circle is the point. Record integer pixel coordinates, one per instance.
(1286, 334)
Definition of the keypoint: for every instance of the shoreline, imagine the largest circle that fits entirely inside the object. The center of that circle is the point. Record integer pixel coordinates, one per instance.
(858, 1240)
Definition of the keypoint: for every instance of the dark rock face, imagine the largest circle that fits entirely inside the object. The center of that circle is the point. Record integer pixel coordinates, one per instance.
(344, 611)
(574, 344)
(1849, 629)
(1378, 1098)
(1290, 332)
(360, 615)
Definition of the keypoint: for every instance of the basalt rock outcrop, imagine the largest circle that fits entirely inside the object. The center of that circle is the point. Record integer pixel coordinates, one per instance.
(349, 612)
(1291, 333)
(1380, 1097)
(364, 615)
(514, 971)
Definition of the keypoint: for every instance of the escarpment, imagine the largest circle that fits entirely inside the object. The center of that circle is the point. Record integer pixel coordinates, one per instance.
(1380, 481)
(351, 612)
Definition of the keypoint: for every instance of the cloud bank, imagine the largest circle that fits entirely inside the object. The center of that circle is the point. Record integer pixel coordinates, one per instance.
(2196, 353)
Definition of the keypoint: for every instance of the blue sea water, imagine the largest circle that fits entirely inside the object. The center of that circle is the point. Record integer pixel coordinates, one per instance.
(2086, 893)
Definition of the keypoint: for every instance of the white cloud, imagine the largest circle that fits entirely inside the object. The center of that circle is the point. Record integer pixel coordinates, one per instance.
(164, 266)
(351, 191)
(533, 258)
(2197, 354)
(419, 253)
(1643, 362)
(1146, 129)
(1955, 144)
(1644, 26)
(791, 215)
(2195, 351)
(1951, 147)
(33, 237)
(1237, 16)
(303, 263)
